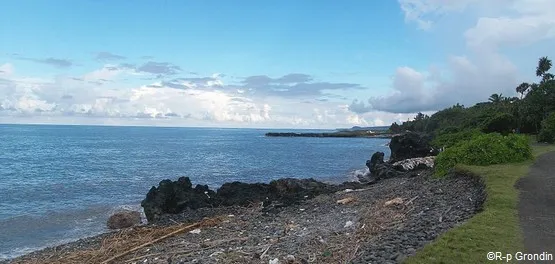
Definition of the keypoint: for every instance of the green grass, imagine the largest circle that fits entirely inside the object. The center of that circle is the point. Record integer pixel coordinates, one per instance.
(496, 228)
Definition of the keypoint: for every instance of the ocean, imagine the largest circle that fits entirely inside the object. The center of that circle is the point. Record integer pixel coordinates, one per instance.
(61, 183)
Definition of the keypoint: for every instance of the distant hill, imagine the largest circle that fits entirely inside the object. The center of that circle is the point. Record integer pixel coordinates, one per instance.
(358, 128)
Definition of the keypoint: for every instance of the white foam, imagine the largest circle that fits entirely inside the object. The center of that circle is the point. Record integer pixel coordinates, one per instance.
(82, 228)
(354, 175)
(17, 252)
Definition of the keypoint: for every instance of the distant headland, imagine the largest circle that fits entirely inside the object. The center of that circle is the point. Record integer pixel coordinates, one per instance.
(359, 132)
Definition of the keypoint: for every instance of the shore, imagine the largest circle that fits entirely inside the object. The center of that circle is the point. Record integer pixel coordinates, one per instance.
(383, 223)
(344, 134)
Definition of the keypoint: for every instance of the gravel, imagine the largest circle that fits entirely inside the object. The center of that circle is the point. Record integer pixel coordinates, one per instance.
(320, 230)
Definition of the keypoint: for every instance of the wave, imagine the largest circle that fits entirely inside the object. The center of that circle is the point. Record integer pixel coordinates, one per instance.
(355, 175)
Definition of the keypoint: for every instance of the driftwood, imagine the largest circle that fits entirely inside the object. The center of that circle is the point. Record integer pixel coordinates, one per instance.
(208, 222)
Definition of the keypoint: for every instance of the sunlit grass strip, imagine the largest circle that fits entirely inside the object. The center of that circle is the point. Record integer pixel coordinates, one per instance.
(496, 228)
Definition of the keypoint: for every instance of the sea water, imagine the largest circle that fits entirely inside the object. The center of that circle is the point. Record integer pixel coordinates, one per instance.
(61, 183)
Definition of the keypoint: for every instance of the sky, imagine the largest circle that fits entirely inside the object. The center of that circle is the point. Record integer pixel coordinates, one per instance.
(265, 64)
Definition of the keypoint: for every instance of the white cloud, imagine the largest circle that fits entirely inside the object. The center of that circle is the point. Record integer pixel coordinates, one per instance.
(531, 21)
(204, 103)
(357, 120)
(483, 69)
(6, 69)
(422, 12)
(108, 72)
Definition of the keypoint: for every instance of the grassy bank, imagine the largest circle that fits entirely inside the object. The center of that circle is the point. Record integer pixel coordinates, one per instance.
(496, 228)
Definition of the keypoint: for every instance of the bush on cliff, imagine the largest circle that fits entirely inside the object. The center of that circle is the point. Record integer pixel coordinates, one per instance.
(501, 123)
(450, 139)
(547, 132)
(484, 149)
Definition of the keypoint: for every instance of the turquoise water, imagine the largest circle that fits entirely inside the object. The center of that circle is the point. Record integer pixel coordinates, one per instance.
(60, 183)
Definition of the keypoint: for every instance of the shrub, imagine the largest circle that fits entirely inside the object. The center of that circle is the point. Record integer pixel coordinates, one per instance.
(450, 139)
(547, 132)
(484, 149)
(501, 123)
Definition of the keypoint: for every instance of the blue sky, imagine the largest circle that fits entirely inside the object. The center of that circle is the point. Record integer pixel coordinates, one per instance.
(190, 62)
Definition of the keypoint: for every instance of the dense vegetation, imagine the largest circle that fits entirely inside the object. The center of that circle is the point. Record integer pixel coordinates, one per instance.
(484, 134)
(500, 114)
(547, 133)
(484, 149)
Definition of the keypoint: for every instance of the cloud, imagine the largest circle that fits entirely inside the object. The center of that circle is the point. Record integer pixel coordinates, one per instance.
(107, 56)
(290, 85)
(483, 70)
(409, 94)
(422, 12)
(106, 73)
(159, 68)
(293, 85)
(359, 107)
(261, 80)
(532, 21)
(6, 69)
(221, 105)
(59, 63)
(467, 83)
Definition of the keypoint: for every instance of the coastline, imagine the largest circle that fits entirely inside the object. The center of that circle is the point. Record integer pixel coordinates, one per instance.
(338, 134)
(387, 219)
(365, 229)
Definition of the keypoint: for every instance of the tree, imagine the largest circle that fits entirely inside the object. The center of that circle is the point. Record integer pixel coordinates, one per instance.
(547, 133)
(509, 100)
(419, 117)
(395, 128)
(496, 98)
(498, 113)
(522, 88)
(501, 123)
(544, 65)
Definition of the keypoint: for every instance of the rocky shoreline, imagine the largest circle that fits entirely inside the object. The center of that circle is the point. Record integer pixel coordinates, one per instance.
(342, 134)
(391, 213)
(383, 223)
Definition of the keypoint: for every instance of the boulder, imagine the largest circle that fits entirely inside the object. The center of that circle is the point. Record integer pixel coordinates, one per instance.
(410, 145)
(379, 169)
(172, 197)
(243, 194)
(415, 163)
(289, 190)
(124, 219)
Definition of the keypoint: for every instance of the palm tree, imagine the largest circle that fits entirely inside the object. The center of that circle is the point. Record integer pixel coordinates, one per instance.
(496, 98)
(509, 100)
(522, 88)
(547, 77)
(543, 66)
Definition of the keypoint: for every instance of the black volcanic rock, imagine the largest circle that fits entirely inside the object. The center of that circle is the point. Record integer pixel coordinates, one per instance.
(172, 197)
(243, 194)
(379, 169)
(410, 145)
